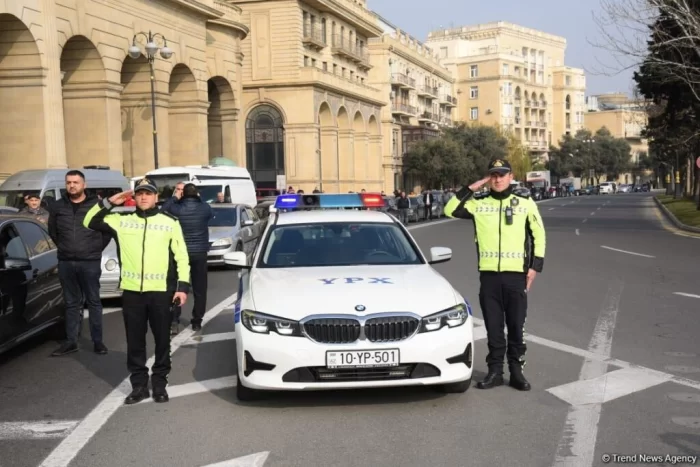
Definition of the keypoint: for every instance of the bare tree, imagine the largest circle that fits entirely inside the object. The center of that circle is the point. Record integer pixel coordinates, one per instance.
(626, 27)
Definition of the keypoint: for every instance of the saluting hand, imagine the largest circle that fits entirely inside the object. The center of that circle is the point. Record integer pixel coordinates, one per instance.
(477, 185)
(120, 198)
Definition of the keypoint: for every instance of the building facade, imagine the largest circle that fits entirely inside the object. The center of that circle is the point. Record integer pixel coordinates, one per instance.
(311, 115)
(421, 94)
(70, 94)
(625, 118)
(515, 77)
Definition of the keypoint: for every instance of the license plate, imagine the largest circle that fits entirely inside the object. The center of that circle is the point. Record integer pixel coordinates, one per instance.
(362, 358)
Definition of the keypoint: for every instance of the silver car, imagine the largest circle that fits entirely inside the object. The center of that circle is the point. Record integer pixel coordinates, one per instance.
(234, 227)
(109, 280)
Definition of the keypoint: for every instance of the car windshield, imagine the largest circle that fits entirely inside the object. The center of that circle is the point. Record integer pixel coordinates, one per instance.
(166, 183)
(208, 193)
(337, 244)
(223, 217)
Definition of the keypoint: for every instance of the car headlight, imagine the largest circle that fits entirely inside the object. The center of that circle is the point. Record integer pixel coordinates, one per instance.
(262, 324)
(222, 242)
(452, 317)
(111, 265)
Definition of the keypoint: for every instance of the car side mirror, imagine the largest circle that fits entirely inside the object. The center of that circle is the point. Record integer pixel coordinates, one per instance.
(440, 254)
(248, 222)
(236, 259)
(17, 264)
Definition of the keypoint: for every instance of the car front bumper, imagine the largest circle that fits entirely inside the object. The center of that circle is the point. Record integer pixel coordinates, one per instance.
(109, 286)
(215, 255)
(295, 363)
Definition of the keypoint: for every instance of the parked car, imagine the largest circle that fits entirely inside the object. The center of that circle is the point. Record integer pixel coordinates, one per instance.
(31, 300)
(417, 210)
(111, 270)
(234, 227)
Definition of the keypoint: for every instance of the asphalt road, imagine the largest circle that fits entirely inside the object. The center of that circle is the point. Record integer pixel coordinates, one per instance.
(612, 356)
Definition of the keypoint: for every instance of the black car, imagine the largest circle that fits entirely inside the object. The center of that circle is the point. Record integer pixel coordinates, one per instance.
(31, 300)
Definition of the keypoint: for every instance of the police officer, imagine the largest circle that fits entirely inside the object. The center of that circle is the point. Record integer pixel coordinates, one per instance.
(510, 239)
(155, 273)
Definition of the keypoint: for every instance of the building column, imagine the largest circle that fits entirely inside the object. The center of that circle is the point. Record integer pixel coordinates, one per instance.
(53, 93)
(302, 165)
(137, 137)
(189, 135)
(346, 160)
(375, 161)
(99, 104)
(329, 160)
(230, 136)
(362, 161)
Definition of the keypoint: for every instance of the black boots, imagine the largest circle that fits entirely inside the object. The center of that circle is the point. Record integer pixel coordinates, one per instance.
(517, 379)
(495, 378)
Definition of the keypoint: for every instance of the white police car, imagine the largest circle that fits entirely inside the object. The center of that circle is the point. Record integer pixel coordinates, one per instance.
(336, 297)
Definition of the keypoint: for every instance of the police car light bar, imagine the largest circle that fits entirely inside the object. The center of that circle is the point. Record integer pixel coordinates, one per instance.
(328, 201)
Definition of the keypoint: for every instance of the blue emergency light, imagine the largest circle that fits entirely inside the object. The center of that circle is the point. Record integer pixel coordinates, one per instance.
(330, 201)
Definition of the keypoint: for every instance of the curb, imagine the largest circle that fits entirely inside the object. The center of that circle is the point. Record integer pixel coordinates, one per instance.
(669, 215)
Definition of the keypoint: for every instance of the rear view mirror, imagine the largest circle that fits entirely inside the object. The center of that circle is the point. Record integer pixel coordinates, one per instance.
(248, 222)
(236, 259)
(439, 254)
(17, 264)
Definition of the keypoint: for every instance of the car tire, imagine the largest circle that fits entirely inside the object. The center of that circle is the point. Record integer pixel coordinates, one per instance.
(245, 394)
(455, 388)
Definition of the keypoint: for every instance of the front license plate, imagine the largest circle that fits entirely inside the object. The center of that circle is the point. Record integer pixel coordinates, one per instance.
(362, 358)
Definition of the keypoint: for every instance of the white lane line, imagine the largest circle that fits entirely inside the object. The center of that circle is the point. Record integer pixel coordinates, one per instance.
(428, 224)
(584, 221)
(105, 311)
(253, 460)
(586, 354)
(198, 387)
(552, 209)
(71, 446)
(628, 252)
(206, 338)
(40, 429)
(578, 439)
(592, 214)
(686, 294)
(598, 209)
(577, 232)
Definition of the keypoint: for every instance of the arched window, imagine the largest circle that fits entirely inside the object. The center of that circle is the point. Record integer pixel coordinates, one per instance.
(265, 146)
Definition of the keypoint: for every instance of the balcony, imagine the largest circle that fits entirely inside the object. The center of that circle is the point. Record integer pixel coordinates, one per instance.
(403, 81)
(399, 108)
(342, 47)
(428, 117)
(447, 100)
(327, 80)
(445, 121)
(527, 103)
(313, 37)
(542, 124)
(543, 104)
(518, 120)
(537, 145)
(428, 91)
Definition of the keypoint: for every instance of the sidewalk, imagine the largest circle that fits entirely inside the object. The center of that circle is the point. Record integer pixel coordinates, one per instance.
(675, 208)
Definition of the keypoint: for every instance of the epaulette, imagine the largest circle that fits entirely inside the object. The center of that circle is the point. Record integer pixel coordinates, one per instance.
(169, 215)
(481, 195)
(522, 195)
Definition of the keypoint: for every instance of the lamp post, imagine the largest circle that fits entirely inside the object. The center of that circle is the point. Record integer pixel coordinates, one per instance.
(151, 49)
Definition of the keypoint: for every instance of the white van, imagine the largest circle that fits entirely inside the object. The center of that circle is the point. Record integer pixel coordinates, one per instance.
(51, 184)
(235, 191)
(237, 179)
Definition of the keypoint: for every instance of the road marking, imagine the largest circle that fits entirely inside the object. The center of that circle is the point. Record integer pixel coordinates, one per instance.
(686, 294)
(253, 460)
(578, 439)
(577, 233)
(198, 387)
(584, 221)
(41, 429)
(598, 209)
(613, 385)
(628, 252)
(71, 446)
(428, 224)
(105, 311)
(552, 209)
(592, 214)
(206, 338)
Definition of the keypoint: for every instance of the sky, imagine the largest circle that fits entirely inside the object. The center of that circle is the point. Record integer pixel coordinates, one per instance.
(574, 20)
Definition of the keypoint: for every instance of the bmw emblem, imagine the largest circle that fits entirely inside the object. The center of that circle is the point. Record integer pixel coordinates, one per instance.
(360, 308)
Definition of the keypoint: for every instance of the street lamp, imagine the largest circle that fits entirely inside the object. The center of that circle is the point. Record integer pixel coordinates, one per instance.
(152, 49)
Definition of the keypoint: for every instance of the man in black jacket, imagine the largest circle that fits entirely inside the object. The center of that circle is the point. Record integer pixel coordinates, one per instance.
(79, 262)
(194, 216)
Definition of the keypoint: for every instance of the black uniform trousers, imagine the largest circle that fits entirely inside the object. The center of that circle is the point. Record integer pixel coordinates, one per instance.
(141, 310)
(503, 301)
(199, 269)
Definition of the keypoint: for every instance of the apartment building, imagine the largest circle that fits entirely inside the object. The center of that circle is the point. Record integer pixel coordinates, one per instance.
(311, 118)
(515, 77)
(421, 95)
(625, 118)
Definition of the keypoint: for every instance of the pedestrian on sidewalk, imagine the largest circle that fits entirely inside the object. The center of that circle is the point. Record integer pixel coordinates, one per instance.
(79, 262)
(194, 216)
(155, 274)
(403, 204)
(510, 240)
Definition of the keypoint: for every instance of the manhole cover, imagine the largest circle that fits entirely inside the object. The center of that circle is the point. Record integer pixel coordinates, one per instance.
(690, 422)
(680, 354)
(683, 369)
(684, 396)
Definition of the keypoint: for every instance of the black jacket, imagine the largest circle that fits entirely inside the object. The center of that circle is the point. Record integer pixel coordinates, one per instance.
(403, 203)
(194, 216)
(75, 242)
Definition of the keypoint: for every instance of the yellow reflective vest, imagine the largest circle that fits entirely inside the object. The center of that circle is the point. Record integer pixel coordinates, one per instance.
(152, 251)
(503, 247)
